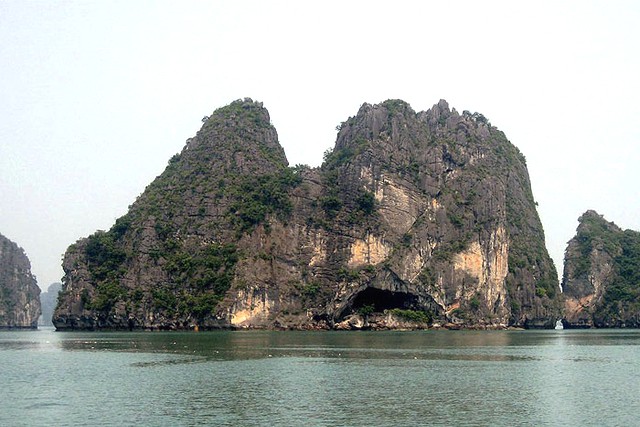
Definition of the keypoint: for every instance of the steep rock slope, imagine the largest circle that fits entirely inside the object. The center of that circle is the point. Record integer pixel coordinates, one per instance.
(601, 279)
(413, 220)
(454, 232)
(19, 292)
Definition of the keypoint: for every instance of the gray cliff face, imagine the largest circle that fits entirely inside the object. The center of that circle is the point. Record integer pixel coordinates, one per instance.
(454, 233)
(19, 292)
(413, 220)
(601, 279)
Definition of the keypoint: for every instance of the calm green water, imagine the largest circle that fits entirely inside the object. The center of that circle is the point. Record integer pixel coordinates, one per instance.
(258, 378)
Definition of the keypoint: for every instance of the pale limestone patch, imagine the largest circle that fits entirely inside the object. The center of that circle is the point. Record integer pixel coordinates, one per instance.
(471, 261)
(413, 266)
(431, 210)
(449, 308)
(367, 175)
(438, 294)
(256, 306)
(398, 205)
(370, 250)
(413, 263)
(489, 265)
(498, 265)
(573, 306)
(319, 251)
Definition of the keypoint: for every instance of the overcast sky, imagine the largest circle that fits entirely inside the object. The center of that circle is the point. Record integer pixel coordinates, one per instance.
(96, 96)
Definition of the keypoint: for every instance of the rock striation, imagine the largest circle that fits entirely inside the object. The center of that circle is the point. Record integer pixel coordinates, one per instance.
(601, 278)
(19, 292)
(413, 220)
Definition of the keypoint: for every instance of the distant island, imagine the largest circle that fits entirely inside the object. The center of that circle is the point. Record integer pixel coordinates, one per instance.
(413, 220)
(48, 301)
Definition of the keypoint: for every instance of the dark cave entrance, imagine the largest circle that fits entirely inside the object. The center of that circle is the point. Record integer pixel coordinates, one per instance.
(378, 300)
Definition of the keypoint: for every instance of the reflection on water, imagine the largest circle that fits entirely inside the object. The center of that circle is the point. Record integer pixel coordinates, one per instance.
(228, 345)
(562, 377)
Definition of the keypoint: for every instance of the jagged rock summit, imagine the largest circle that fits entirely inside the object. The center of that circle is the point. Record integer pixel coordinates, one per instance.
(601, 279)
(19, 292)
(413, 220)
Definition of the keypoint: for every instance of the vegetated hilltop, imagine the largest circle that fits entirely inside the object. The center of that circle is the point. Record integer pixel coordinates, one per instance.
(413, 220)
(19, 292)
(601, 279)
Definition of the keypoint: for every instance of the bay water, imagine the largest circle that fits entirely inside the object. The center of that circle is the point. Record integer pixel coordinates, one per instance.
(267, 378)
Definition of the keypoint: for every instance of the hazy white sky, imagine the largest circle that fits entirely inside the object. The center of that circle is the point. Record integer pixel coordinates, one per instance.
(96, 96)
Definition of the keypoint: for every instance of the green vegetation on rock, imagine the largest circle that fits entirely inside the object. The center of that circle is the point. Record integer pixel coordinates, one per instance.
(255, 197)
(411, 315)
(602, 263)
(398, 217)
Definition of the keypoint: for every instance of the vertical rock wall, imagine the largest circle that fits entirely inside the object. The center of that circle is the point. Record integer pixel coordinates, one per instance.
(19, 292)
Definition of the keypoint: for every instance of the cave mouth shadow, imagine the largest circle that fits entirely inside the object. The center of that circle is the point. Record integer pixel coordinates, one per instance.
(380, 300)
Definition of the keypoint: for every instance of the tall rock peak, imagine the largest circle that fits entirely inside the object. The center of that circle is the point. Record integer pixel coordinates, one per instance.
(413, 220)
(240, 137)
(443, 159)
(19, 292)
(590, 216)
(441, 109)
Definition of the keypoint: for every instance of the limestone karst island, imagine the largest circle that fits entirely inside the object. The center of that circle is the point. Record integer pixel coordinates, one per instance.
(414, 220)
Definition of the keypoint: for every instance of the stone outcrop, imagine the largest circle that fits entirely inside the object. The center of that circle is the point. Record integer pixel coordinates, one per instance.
(420, 219)
(601, 279)
(19, 292)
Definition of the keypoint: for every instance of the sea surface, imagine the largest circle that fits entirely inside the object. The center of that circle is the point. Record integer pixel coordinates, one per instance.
(260, 378)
